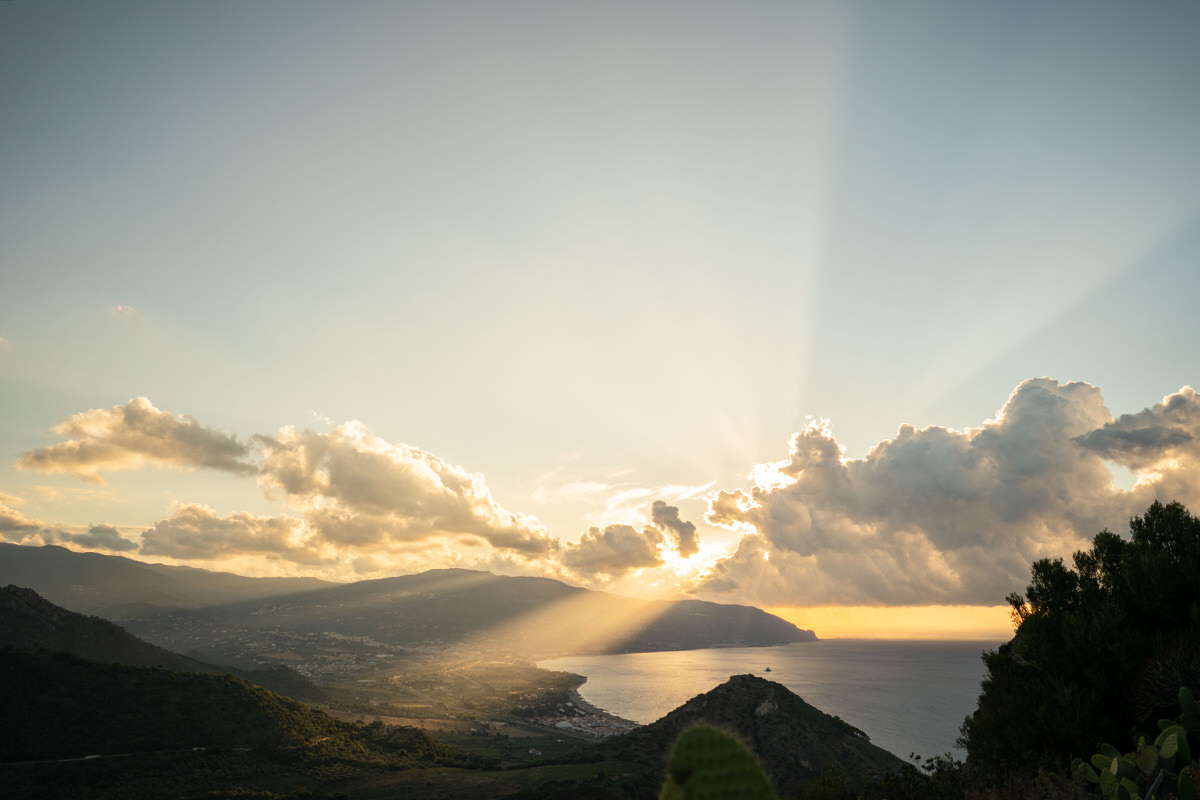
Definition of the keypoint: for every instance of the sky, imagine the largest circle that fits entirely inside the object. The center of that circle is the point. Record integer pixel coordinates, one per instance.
(804, 304)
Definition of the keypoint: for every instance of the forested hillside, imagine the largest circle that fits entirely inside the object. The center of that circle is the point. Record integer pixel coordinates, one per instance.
(146, 724)
(28, 621)
(1101, 648)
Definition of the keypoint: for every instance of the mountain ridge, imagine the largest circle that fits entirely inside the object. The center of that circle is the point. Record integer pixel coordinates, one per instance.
(116, 586)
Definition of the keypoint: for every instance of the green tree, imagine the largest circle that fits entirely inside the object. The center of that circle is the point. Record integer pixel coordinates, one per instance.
(1100, 648)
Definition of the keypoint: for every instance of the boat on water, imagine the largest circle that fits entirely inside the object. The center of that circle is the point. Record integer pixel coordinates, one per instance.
(768, 669)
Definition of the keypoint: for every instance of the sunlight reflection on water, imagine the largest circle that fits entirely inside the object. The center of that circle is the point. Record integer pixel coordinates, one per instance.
(907, 696)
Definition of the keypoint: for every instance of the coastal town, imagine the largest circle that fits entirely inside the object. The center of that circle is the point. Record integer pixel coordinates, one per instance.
(580, 717)
(460, 686)
(430, 684)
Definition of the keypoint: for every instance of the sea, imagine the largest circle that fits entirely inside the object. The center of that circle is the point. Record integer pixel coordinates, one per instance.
(909, 697)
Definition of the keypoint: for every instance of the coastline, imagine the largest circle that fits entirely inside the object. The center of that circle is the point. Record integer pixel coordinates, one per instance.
(593, 710)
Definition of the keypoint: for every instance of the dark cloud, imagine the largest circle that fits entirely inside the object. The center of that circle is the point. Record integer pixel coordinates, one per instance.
(1168, 430)
(945, 516)
(102, 536)
(355, 489)
(129, 436)
(613, 551)
(16, 527)
(666, 518)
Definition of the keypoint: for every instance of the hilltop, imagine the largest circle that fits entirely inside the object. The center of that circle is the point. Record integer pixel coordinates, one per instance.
(794, 741)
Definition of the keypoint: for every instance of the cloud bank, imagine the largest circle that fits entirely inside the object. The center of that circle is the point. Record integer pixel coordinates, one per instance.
(932, 516)
(945, 516)
(196, 532)
(17, 528)
(355, 499)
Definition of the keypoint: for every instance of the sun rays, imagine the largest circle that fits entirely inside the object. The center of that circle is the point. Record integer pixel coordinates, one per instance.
(580, 622)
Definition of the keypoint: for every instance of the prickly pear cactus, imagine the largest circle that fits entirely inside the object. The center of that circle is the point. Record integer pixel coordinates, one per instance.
(1164, 767)
(707, 763)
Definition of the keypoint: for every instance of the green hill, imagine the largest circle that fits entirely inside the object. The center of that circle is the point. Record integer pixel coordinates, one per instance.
(84, 729)
(29, 621)
(60, 706)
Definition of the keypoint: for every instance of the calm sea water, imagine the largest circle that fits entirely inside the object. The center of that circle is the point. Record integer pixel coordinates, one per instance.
(909, 697)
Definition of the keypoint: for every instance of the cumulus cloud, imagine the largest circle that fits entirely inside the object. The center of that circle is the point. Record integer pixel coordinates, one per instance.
(195, 531)
(1161, 444)
(666, 519)
(129, 436)
(944, 516)
(614, 550)
(355, 489)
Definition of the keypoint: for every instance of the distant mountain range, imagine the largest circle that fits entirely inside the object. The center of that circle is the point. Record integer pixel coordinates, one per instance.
(188, 609)
(535, 615)
(116, 587)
